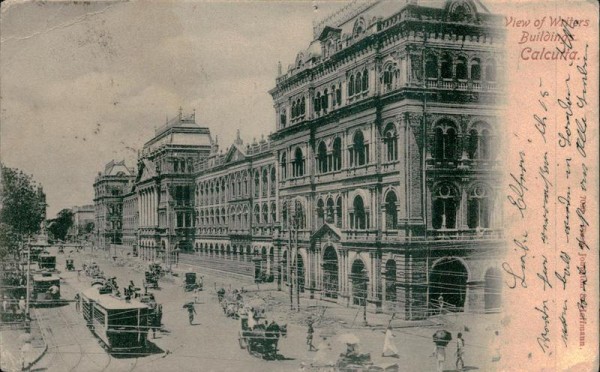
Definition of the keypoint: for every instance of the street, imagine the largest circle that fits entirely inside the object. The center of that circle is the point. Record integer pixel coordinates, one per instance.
(211, 343)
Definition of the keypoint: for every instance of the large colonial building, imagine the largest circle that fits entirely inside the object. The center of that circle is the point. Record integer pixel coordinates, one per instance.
(164, 186)
(378, 188)
(236, 203)
(388, 175)
(109, 188)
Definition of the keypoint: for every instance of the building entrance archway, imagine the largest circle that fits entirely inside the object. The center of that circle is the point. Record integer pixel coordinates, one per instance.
(448, 283)
(360, 282)
(390, 281)
(330, 273)
(493, 290)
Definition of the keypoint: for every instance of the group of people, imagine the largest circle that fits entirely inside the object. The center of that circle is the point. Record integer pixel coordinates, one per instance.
(13, 310)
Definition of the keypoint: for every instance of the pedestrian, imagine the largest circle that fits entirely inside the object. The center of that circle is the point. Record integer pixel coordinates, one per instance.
(191, 312)
(5, 308)
(439, 352)
(77, 303)
(441, 303)
(309, 337)
(389, 348)
(460, 350)
(22, 305)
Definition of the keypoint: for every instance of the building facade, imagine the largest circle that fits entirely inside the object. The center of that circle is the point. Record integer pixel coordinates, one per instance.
(164, 186)
(83, 223)
(130, 217)
(388, 169)
(236, 203)
(109, 188)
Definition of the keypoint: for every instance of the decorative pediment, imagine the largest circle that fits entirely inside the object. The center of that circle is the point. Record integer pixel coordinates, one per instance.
(146, 171)
(328, 32)
(234, 154)
(327, 232)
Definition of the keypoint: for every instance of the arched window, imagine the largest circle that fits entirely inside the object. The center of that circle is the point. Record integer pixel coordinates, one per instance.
(391, 211)
(447, 66)
(325, 100)
(338, 94)
(302, 106)
(338, 213)
(358, 216)
(337, 154)
(265, 213)
(444, 207)
(365, 81)
(320, 213)
(273, 182)
(223, 217)
(351, 86)
(282, 118)
(322, 158)
(388, 77)
(294, 110)
(478, 213)
(479, 143)
(330, 213)
(461, 68)
(299, 216)
(284, 215)
(273, 213)
(318, 102)
(431, 67)
(256, 214)
(283, 164)
(357, 83)
(390, 141)
(490, 70)
(265, 183)
(298, 163)
(256, 184)
(476, 69)
(358, 152)
(444, 142)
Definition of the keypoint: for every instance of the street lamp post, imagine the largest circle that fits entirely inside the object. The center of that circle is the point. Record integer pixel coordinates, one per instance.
(364, 272)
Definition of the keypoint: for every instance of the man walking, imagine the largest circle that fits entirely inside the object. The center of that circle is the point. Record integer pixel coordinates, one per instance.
(191, 311)
(309, 336)
(460, 350)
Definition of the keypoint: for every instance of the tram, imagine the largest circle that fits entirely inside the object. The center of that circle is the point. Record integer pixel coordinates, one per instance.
(121, 325)
(46, 289)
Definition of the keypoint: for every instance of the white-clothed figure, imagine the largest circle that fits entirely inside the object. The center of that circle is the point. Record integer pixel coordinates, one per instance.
(389, 348)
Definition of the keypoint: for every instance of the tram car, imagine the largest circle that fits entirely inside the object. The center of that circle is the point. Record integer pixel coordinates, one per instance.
(121, 325)
(46, 289)
(47, 262)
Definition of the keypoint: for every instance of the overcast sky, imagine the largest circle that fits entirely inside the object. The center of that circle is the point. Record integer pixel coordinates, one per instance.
(82, 84)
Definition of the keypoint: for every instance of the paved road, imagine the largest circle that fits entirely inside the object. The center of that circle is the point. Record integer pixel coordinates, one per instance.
(211, 344)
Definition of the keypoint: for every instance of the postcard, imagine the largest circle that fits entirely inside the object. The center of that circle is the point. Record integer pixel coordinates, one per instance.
(340, 185)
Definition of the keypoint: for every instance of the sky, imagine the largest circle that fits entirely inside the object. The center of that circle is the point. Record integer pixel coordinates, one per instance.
(82, 83)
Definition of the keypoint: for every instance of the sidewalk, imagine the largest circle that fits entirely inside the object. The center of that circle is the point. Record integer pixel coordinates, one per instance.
(14, 341)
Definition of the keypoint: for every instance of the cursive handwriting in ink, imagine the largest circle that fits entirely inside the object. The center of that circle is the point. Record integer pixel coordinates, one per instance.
(540, 122)
(568, 166)
(518, 187)
(566, 201)
(520, 245)
(583, 182)
(544, 274)
(583, 224)
(563, 324)
(566, 104)
(565, 38)
(582, 69)
(543, 339)
(544, 172)
(566, 260)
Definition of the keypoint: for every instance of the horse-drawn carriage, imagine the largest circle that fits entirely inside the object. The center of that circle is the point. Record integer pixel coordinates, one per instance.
(191, 283)
(69, 264)
(150, 280)
(262, 339)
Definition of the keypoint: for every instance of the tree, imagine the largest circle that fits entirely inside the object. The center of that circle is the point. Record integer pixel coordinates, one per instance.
(59, 227)
(23, 202)
(9, 241)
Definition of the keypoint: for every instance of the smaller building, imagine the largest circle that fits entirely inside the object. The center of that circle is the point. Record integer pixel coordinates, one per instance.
(109, 189)
(83, 223)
